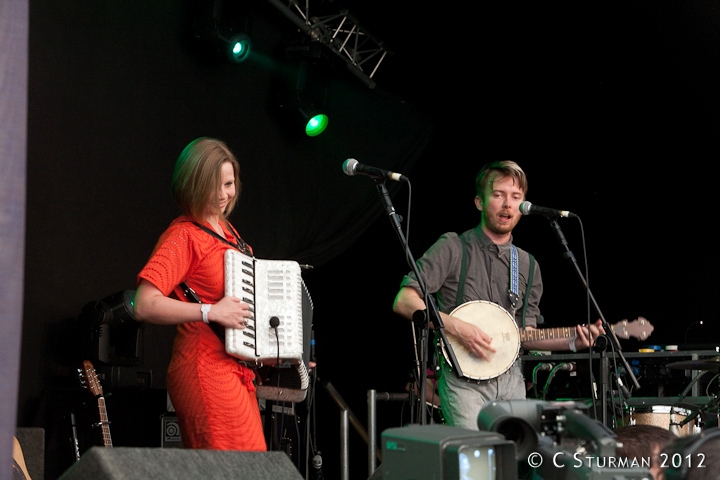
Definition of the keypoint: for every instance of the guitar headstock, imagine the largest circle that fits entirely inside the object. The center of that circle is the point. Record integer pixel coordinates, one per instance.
(639, 328)
(92, 382)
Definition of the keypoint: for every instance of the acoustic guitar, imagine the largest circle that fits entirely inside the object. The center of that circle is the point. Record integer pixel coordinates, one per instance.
(92, 383)
(507, 337)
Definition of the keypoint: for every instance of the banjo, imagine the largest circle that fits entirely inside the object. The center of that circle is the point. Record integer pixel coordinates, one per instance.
(507, 337)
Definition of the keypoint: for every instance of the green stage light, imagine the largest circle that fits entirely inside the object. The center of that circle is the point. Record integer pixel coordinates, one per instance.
(238, 48)
(316, 125)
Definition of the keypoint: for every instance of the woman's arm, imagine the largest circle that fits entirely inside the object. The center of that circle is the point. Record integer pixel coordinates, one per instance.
(152, 306)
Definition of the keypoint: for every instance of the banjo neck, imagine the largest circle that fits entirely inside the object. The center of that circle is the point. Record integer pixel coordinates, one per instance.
(639, 328)
(534, 334)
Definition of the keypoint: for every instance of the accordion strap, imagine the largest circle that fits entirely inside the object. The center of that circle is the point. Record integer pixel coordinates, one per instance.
(239, 243)
(193, 298)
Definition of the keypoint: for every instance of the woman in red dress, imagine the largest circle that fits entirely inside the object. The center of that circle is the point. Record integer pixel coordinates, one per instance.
(212, 392)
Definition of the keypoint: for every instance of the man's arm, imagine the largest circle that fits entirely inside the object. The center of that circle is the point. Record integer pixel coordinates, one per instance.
(408, 301)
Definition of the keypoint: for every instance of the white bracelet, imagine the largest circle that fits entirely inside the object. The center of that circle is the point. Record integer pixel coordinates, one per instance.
(572, 346)
(205, 309)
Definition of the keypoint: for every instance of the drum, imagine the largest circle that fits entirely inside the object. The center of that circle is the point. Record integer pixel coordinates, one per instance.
(659, 415)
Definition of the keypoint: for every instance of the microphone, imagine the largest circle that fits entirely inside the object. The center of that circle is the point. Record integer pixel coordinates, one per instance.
(688, 419)
(317, 467)
(353, 167)
(419, 318)
(527, 208)
(623, 388)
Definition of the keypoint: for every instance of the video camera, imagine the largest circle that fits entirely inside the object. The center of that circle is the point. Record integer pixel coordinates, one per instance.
(559, 441)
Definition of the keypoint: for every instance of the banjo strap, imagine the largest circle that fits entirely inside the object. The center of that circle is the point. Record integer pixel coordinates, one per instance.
(531, 275)
(513, 278)
(463, 272)
(513, 293)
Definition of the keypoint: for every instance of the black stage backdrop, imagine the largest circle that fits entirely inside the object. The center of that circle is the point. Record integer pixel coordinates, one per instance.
(610, 108)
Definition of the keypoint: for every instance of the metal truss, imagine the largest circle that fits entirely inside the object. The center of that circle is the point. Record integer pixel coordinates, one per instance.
(342, 34)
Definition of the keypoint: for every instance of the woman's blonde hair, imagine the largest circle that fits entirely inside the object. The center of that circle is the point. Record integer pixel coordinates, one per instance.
(196, 178)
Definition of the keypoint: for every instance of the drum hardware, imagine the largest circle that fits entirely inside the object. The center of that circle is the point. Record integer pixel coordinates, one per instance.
(712, 404)
(704, 364)
(695, 417)
(683, 416)
(664, 416)
(712, 409)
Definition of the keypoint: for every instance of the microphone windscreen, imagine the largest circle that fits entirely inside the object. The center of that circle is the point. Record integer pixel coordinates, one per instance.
(525, 208)
(349, 166)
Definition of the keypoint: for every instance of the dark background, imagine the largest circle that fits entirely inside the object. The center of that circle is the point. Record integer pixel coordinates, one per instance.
(611, 109)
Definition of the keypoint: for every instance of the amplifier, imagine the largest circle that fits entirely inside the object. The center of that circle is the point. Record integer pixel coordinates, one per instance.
(170, 432)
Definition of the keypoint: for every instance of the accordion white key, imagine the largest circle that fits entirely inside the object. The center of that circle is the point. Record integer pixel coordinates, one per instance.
(275, 290)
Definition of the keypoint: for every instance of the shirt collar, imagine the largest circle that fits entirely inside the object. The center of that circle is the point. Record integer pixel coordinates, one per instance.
(485, 241)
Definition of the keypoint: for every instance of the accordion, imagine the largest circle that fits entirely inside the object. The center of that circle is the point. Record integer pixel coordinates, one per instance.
(279, 333)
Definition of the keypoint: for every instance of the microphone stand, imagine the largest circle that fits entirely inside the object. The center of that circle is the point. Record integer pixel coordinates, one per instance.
(609, 333)
(431, 307)
(605, 389)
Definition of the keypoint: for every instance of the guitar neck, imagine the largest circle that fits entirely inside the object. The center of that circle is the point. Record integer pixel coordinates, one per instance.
(104, 422)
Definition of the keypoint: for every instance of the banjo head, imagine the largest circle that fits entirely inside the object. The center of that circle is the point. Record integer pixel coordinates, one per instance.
(496, 322)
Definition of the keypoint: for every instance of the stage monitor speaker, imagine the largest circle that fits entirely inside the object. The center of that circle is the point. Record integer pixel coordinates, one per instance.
(32, 443)
(115, 463)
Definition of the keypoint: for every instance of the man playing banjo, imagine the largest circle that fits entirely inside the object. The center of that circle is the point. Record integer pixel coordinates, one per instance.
(480, 273)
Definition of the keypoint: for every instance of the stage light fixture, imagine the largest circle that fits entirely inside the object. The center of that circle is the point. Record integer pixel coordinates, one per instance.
(302, 93)
(315, 122)
(238, 47)
(222, 30)
(301, 113)
(111, 333)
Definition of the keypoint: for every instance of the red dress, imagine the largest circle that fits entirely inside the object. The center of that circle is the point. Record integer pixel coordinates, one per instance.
(213, 394)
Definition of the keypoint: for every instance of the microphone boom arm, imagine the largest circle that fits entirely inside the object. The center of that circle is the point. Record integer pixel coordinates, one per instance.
(609, 333)
(431, 307)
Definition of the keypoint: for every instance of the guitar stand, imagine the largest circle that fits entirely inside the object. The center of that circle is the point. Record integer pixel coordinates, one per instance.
(74, 439)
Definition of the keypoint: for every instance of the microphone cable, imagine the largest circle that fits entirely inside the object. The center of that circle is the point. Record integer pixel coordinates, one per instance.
(542, 366)
(569, 366)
